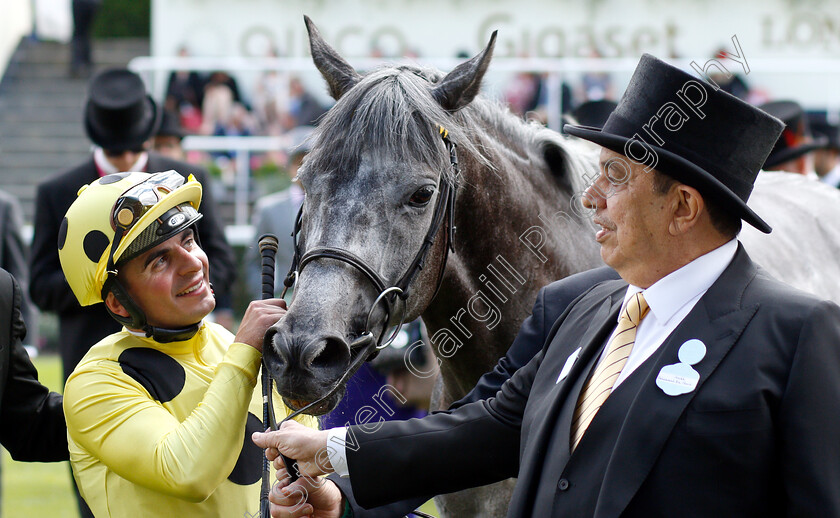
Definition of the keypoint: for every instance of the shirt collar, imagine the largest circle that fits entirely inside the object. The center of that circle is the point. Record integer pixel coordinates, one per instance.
(832, 177)
(104, 167)
(670, 293)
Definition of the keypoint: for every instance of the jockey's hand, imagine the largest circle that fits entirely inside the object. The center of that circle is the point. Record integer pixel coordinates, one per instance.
(310, 497)
(303, 444)
(260, 315)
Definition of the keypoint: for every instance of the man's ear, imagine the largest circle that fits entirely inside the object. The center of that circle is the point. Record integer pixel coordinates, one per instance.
(689, 207)
(115, 306)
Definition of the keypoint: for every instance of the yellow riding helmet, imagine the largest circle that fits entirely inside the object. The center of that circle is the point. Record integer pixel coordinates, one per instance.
(129, 208)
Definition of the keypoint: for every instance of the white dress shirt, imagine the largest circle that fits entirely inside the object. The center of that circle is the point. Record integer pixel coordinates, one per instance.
(670, 298)
(107, 167)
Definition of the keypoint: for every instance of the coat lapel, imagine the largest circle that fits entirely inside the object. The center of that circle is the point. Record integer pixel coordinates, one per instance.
(718, 321)
(567, 391)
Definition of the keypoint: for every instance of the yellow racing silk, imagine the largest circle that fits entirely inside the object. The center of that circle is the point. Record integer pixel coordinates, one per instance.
(165, 429)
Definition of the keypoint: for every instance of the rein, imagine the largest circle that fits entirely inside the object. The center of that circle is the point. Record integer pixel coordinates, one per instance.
(444, 216)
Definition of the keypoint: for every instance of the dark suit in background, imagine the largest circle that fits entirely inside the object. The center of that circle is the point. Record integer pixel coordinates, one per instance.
(552, 300)
(80, 327)
(766, 404)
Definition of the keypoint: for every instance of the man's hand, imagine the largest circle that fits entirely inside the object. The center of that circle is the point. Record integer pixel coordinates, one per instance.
(305, 445)
(311, 497)
(260, 315)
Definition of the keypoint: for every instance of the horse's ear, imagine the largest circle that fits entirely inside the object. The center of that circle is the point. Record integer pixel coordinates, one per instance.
(460, 86)
(340, 76)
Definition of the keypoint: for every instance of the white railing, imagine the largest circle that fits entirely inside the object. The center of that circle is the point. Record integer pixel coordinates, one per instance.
(242, 147)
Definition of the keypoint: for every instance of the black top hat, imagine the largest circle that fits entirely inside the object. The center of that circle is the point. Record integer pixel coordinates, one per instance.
(594, 114)
(825, 130)
(119, 114)
(796, 139)
(169, 126)
(683, 127)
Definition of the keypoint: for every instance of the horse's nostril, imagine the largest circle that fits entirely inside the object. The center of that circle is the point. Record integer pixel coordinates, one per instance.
(333, 355)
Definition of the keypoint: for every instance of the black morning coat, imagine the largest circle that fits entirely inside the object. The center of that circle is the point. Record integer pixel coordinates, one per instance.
(32, 424)
(757, 437)
(551, 301)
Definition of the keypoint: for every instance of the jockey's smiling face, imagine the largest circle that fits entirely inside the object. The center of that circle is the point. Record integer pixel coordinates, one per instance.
(170, 283)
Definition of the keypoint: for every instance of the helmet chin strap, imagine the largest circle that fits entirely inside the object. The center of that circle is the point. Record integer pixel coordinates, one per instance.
(137, 319)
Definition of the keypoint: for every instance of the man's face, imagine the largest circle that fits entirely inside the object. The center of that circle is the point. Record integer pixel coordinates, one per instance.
(123, 159)
(633, 217)
(171, 282)
(169, 146)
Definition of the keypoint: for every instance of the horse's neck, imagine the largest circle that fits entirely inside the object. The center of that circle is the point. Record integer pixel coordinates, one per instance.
(492, 280)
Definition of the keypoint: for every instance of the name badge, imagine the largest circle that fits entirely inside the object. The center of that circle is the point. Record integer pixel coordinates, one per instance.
(681, 378)
(567, 367)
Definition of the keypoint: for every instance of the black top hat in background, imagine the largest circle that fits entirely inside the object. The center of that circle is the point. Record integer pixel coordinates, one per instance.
(823, 129)
(796, 138)
(719, 154)
(169, 126)
(593, 114)
(118, 114)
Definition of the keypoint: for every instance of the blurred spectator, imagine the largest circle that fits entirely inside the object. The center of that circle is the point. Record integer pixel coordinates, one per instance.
(220, 94)
(217, 103)
(239, 123)
(14, 257)
(303, 109)
(268, 94)
(184, 95)
(524, 93)
(410, 366)
(731, 83)
(167, 141)
(275, 214)
(84, 12)
(826, 159)
(596, 86)
(792, 151)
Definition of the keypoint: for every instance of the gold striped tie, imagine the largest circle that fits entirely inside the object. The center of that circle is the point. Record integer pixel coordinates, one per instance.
(599, 386)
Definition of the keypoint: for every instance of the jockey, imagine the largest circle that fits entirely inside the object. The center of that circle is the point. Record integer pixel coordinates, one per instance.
(160, 414)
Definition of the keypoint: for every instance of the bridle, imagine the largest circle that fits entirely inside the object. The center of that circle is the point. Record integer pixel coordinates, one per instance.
(366, 343)
(443, 217)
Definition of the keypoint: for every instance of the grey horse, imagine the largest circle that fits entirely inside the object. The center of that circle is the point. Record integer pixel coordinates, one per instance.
(372, 182)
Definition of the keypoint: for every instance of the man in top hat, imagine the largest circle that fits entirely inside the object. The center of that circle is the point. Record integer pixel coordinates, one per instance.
(792, 151)
(695, 386)
(827, 158)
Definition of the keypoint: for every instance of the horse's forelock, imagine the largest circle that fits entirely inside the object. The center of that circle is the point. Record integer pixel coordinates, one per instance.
(390, 114)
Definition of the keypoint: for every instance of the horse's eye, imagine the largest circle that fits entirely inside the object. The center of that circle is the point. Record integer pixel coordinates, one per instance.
(422, 196)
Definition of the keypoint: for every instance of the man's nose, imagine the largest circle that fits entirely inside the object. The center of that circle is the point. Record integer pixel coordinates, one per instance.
(594, 196)
(188, 261)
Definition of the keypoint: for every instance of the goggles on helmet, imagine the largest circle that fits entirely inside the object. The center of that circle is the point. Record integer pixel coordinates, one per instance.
(136, 201)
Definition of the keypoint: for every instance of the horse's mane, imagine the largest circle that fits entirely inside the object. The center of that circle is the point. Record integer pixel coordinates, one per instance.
(392, 111)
